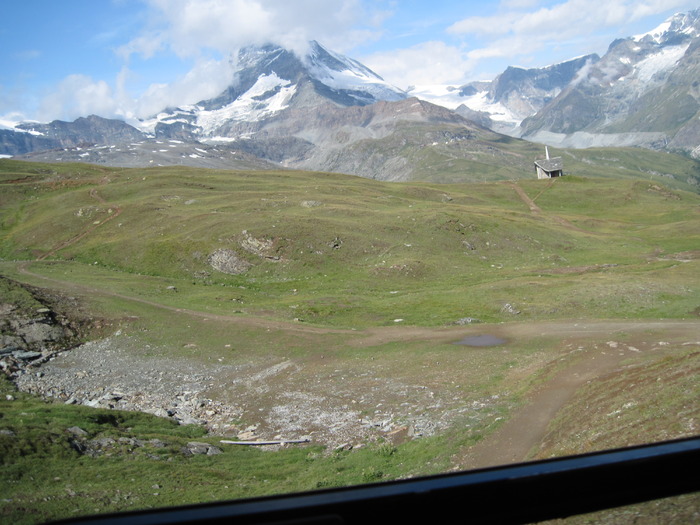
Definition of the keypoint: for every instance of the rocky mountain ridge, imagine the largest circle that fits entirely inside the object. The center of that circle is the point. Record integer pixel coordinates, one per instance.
(642, 92)
(269, 80)
(321, 111)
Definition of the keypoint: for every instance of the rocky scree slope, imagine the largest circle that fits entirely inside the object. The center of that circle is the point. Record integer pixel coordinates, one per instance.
(32, 329)
(644, 91)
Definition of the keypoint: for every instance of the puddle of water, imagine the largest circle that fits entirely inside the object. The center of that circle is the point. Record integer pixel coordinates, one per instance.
(481, 340)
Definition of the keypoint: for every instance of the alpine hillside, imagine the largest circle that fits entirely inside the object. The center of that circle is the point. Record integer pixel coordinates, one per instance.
(325, 111)
(322, 111)
(642, 92)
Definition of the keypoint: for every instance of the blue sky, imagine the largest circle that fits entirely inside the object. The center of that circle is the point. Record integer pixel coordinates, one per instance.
(131, 58)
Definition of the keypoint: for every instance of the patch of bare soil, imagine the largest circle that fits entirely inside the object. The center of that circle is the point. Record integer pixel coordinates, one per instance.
(687, 256)
(536, 210)
(336, 401)
(576, 269)
(523, 434)
(272, 399)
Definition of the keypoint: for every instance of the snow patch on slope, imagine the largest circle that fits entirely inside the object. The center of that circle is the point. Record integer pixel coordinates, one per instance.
(439, 94)
(13, 126)
(450, 97)
(656, 34)
(339, 72)
(660, 62)
(268, 95)
(680, 24)
(498, 112)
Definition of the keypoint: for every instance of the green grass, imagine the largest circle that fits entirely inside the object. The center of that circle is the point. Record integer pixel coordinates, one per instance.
(652, 399)
(618, 244)
(44, 477)
(370, 253)
(18, 296)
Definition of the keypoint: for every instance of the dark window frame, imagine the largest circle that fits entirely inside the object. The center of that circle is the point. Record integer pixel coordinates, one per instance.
(521, 493)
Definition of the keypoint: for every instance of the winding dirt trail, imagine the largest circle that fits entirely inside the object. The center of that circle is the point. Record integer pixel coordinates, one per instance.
(114, 212)
(515, 440)
(519, 437)
(536, 210)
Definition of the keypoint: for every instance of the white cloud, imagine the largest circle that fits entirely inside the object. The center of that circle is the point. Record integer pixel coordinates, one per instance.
(208, 33)
(145, 45)
(428, 63)
(190, 27)
(206, 79)
(81, 95)
(212, 31)
(78, 96)
(582, 73)
(27, 54)
(518, 4)
(520, 29)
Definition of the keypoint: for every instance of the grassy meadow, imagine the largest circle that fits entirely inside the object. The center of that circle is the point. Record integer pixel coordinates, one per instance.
(342, 251)
(348, 278)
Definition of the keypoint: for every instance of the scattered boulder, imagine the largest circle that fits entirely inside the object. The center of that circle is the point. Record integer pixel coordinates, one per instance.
(26, 355)
(37, 331)
(9, 345)
(509, 309)
(249, 435)
(466, 320)
(261, 246)
(196, 448)
(228, 262)
(30, 330)
(76, 431)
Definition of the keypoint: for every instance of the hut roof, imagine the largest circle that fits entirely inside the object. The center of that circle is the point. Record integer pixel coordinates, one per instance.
(550, 165)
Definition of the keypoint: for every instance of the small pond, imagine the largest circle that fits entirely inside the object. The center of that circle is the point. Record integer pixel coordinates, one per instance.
(481, 340)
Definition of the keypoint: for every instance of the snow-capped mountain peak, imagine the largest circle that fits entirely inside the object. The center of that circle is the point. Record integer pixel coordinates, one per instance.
(269, 79)
(322, 60)
(345, 74)
(681, 24)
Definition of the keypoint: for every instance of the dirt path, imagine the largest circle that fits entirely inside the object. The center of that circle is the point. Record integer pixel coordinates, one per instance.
(520, 436)
(380, 335)
(115, 211)
(249, 321)
(536, 210)
(515, 440)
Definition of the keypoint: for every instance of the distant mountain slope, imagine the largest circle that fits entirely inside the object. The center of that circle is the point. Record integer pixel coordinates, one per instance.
(270, 79)
(325, 111)
(512, 96)
(643, 91)
(388, 140)
(31, 136)
(322, 111)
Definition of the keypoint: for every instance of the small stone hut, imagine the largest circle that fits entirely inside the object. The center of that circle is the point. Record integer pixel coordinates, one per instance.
(549, 167)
